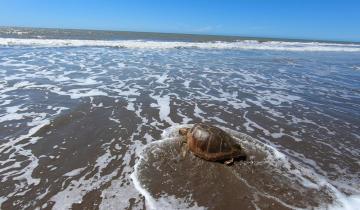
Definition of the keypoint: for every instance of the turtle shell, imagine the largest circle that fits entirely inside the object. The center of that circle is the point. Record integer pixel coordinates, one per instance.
(212, 143)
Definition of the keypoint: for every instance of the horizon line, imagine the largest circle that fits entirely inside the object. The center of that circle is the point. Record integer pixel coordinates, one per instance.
(250, 37)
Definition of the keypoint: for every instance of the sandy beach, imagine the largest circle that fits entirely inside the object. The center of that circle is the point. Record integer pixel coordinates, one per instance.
(94, 124)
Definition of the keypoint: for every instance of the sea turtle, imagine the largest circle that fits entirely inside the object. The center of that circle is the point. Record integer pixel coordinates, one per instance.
(210, 143)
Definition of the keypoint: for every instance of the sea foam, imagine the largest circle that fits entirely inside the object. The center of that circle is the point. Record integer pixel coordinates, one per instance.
(142, 44)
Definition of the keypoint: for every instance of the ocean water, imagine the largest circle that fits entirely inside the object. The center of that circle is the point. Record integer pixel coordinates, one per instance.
(89, 120)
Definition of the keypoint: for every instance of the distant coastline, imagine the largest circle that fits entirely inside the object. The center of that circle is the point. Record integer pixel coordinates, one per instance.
(95, 34)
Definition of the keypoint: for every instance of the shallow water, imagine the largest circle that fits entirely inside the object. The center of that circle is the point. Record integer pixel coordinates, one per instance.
(94, 126)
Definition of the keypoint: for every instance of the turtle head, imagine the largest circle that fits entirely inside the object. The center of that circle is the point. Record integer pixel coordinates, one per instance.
(183, 131)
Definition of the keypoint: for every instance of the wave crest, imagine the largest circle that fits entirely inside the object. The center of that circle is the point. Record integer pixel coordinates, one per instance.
(142, 44)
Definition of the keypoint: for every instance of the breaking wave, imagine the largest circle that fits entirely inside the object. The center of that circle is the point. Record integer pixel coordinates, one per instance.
(143, 44)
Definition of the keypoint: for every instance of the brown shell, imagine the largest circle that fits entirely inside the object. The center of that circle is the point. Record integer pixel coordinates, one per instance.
(212, 143)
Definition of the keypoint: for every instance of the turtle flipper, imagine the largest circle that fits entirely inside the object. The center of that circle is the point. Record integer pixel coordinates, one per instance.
(183, 147)
(184, 150)
(181, 142)
(229, 162)
(183, 131)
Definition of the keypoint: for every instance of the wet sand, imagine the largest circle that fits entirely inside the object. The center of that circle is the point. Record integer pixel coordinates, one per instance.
(95, 128)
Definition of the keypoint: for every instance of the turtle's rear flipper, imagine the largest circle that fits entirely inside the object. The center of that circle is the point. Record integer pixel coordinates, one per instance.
(184, 149)
(229, 162)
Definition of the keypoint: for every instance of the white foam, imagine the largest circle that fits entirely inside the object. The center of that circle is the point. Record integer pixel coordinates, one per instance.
(114, 120)
(76, 190)
(75, 172)
(85, 81)
(198, 111)
(161, 79)
(130, 106)
(18, 147)
(78, 93)
(141, 44)
(150, 201)
(11, 116)
(187, 83)
(281, 134)
(163, 103)
(166, 202)
(347, 203)
(117, 196)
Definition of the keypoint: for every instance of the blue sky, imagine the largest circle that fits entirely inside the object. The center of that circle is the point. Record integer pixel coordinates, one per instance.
(309, 19)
